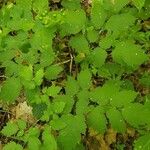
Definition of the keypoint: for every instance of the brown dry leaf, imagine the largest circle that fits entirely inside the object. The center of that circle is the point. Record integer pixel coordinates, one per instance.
(103, 144)
(23, 111)
(97, 141)
(131, 132)
(110, 136)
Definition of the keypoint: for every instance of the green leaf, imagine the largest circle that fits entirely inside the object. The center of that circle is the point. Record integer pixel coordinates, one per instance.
(82, 103)
(129, 53)
(72, 86)
(145, 80)
(49, 141)
(58, 107)
(10, 90)
(21, 124)
(57, 124)
(107, 42)
(119, 23)
(10, 129)
(40, 6)
(47, 58)
(136, 115)
(52, 72)
(74, 43)
(98, 14)
(71, 134)
(12, 145)
(52, 90)
(74, 22)
(96, 120)
(33, 143)
(138, 3)
(142, 143)
(116, 120)
(123, 98)
(92, 34)
(39, 77)
(84, 75)
(103, 94)
(71, 4)
(26, 73)
(38, 110)
(117, 5)
(98, 57)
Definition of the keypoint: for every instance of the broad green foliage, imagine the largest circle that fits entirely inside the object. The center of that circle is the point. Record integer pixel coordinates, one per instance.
(70, 135)
(116, 120)
(13, 145)
(73, 22)
(10, 129)
(143, 143)
(76, 41)
(10, 90)
(98, 14)
(121, 54)
(96, 120)
(98, 57)
(119, 23)
(139, 3)
(92, 34)
(77, 64)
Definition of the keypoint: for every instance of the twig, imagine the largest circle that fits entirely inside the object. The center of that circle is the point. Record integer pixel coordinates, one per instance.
(71, 60)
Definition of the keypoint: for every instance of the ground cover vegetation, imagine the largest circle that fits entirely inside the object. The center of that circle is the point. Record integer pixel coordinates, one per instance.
(75, 75)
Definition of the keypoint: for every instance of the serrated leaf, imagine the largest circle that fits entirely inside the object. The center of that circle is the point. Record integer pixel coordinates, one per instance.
(26, 73)
(52, 72)
(39, 77)
(103, 94)
(49, 141)
(98, 14)
(68, 100)
(10, 90)
(117, 5)
(58, 107)
(47, 58)
(72, 86)
(21, 124)
(52, 90)
(142, 143)
(10, 129)
(138, 3)
(129, 53)
(136, 115)
(123, 98)
(71, 4)
(119, 23)
(13, 145)
(82, 103)
(74, 43)
(74, 22)
(96, 120)
(33, 143)
(116, 120)
(40, 6)
(92, 34)
(107, 42)
(98, 57)
(71, 134)
(84, 75)
(57, 124)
